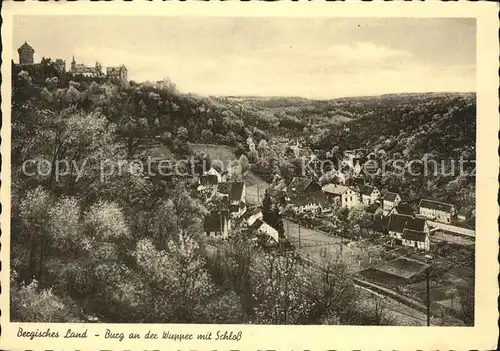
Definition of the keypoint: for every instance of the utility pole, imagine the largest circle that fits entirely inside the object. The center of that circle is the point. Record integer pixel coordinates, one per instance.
(428, 297)
(299, 236)
(258, 193)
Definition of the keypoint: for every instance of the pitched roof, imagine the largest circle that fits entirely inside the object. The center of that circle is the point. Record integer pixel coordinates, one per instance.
(435, 205)
(397, 222)
(115, 69)
(236, 191)
(224, 187)
(366, 189)
(372, 208)
(317, 197)
(81, 68)
(210, 179)
(404, 209)
(300, 184)
(414, 235)
(390, 196)
(25, 46)
(256, 224)
(334, 189)
(233, 189)
(417, 224)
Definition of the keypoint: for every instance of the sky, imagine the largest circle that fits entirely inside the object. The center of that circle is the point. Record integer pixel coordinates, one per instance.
(308, 57)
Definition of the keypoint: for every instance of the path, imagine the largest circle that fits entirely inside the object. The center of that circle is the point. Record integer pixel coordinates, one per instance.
(453, 228)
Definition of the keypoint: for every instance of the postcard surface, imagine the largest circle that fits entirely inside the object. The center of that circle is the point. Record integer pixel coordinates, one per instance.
(247, 176)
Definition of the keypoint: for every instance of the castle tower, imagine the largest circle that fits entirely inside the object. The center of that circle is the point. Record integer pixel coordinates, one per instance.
(73, 63)
(25, 54)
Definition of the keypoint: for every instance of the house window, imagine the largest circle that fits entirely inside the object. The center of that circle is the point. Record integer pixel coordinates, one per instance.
(369, 201)
(350, 199)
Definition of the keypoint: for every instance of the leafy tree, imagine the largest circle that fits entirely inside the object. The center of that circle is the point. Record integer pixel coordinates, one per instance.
(280, 290)
(244, 164)
(29, 303)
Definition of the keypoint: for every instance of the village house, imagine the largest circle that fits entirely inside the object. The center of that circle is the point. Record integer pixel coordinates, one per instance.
(369, 194)
(409, 231)
(303, 194)
(256, 223)
(300, 185)
(217, 224)
(416, 239)
(436, 211)
(342, 195)
(374, 211)
(310, 202)
(235, 192)
(390, 201)
(402, 209)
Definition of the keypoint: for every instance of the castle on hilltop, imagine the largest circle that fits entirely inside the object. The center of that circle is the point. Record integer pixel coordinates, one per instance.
(26, 53)
(26, 62)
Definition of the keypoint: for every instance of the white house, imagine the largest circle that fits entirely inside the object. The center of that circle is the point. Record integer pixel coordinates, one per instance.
(390, 201)
(213, 172)
(341, 195)
(416, 239)
(409, 231)
(264, 228)
(436, 211)
(369, 194)
(310, 202)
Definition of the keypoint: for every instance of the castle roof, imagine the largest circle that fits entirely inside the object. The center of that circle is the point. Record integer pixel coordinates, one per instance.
(115, 70)
(25, 46)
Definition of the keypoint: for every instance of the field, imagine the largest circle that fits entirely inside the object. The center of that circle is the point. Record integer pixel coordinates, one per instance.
(222, 153)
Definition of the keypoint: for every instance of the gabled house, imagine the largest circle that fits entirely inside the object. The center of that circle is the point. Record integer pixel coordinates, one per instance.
(341, 195)
(262, 227)
(310, 202)
(399, 223)
(299, 186)
(217, 224)
(235, 192)
(303, 194)
(369, 194)
(416, 239)
(390, 201)
(436, 211)
(214, 172)
(374, 211)
(402, 209)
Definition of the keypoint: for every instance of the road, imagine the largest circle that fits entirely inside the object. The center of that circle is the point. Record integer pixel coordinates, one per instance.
(453, 228)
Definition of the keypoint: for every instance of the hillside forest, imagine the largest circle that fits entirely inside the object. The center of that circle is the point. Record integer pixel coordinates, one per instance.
(130, 248)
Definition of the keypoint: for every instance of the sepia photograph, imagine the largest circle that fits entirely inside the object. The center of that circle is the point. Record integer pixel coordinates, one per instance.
(233, 170)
